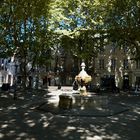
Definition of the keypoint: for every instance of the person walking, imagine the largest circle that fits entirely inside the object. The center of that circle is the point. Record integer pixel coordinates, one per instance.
(49, 78)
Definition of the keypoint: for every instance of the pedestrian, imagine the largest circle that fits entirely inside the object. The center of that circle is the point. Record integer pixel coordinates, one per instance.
(49, 78)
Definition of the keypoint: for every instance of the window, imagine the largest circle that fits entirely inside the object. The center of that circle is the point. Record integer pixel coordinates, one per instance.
(1, 61)
(125, 49)
(101, 64)
(125, 64)
(113, 49)
(138, 64)
(9, 60)
(113, 64)
(102, 50)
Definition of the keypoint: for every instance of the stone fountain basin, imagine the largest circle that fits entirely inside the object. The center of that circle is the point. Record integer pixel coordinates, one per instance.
(69, 104)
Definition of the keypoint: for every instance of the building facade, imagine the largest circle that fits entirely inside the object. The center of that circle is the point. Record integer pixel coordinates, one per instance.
(117, 64)
(113, 64)
(8, 70)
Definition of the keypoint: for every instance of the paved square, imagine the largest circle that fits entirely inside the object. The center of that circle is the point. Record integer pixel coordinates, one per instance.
(20, 120)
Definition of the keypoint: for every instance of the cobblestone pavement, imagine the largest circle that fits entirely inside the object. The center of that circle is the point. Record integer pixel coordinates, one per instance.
(20, 120)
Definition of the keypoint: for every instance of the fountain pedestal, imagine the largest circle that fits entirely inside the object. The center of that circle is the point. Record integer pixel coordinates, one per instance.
(65, 101)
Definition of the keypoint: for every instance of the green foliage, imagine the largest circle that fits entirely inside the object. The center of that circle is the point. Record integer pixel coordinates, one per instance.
(24, 26)
(80, 25)
(24, 31)
(123, 24)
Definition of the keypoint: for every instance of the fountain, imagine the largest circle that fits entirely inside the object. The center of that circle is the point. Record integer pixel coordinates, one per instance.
(84, 103)
(68, 100)
(83, 79)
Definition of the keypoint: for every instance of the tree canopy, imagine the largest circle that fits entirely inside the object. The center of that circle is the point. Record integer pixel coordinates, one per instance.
(31, 27)
(123, 24)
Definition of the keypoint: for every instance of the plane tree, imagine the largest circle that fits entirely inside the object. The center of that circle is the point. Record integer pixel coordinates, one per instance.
(30, 29)
(123, 24)
(80, 24)
(24, 32)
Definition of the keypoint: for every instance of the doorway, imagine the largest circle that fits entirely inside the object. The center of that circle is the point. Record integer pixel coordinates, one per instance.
(125, 82)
